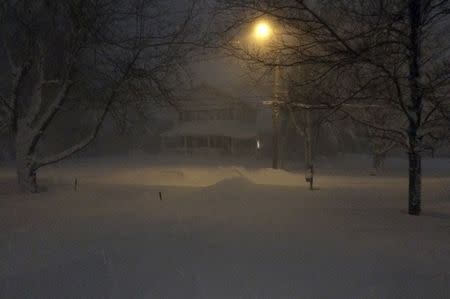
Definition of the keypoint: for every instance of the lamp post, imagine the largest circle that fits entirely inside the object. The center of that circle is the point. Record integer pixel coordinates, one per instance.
(263, 31)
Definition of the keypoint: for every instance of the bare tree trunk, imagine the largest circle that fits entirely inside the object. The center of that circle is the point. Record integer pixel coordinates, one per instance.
(415, 108)
(26, 175)
(25, 168)
(415, 183)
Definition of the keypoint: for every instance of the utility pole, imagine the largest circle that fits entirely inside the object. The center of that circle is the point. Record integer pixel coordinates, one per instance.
(276, 116)
(277, 105)
(263, 31)
(275, 134)
(309, 171)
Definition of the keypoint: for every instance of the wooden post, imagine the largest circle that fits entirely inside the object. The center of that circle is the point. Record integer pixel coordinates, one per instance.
(185, 145)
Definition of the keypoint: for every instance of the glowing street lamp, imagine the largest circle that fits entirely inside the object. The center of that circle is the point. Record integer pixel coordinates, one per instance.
(263, 30)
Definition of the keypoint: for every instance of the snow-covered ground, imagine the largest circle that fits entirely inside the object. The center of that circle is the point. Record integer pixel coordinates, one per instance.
(224, 231)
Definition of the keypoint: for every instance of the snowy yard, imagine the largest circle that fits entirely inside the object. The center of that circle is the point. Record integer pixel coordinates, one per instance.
(224, 232)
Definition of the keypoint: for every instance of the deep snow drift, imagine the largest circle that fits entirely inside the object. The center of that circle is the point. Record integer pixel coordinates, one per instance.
(224, 232)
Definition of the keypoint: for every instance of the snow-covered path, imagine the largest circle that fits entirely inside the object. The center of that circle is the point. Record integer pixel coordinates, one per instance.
(228, 232)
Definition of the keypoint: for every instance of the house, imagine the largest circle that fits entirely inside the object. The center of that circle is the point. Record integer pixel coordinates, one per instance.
(212, 121)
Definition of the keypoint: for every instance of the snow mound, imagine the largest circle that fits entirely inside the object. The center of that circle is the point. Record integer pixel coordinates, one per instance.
(231, 184)
(192, 176)
(274, 177)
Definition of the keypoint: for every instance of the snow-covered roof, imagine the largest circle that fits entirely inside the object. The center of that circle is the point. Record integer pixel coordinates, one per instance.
(228, 128)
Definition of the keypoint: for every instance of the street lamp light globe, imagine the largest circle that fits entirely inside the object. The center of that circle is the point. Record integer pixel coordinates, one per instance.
(263, 30)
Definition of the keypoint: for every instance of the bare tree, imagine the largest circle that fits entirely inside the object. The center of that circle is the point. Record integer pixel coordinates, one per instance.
(377, 53)
(87, 52)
